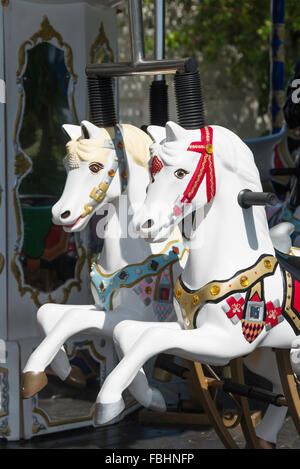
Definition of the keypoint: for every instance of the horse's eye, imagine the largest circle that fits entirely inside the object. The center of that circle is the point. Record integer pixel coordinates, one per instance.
(95, 167)
(180, 173)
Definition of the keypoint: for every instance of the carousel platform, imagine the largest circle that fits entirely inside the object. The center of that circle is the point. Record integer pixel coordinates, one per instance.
(131, 434)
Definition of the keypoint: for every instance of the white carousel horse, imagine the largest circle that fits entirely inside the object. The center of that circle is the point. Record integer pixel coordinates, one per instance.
(132, 278)
(229, 296)
(281, 238)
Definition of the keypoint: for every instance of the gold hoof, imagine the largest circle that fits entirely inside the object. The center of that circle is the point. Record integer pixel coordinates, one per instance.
(76, 378)
(32, 382)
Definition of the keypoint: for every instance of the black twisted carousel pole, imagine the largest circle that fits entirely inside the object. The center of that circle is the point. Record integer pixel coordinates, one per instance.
(189, 99)
(159, 105)
(101, 101)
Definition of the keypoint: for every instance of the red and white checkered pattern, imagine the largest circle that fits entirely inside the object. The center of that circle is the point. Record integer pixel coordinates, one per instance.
(156, 166)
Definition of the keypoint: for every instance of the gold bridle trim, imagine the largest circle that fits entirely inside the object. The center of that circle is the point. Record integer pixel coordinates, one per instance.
(289, 299)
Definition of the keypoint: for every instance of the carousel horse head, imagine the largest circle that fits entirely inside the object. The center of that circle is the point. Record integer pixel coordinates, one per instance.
(186, 167)
(100, 163)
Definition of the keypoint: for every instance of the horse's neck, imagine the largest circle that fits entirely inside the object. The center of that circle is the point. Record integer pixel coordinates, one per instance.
(227, 240)
(119, 248)
(122, 246)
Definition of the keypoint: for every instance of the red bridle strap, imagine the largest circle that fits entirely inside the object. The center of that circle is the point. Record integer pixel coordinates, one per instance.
(205, 167)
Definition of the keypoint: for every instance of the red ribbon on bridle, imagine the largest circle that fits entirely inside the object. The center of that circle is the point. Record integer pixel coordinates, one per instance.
(205, 167)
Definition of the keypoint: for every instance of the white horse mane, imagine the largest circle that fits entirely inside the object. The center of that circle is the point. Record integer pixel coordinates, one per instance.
(93, 149)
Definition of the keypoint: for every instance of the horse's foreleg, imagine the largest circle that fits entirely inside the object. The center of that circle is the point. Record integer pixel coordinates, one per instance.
(73, 321)
(263, 362)
(206, 345)
(48, 316)
(125, 335)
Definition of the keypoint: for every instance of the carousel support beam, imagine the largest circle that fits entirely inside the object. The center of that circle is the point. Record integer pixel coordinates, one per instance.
(237, 374)
(147, 67)
(136, 31)
(277, 64)
(138, 64)
(159, 105)
(159, 43)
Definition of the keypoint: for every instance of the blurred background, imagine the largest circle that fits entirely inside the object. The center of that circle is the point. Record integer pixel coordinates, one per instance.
(231, 41)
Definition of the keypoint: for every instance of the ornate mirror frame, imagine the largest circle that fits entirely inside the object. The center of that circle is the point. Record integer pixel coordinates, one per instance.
(23, 162)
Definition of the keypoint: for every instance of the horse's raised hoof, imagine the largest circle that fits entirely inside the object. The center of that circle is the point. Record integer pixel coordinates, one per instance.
(104, 413)
(76, 378)
(158, 403)
(32, 382)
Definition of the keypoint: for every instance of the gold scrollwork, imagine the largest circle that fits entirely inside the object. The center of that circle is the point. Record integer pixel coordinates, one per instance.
(35, 429)
(46, 33)
(22, 163)
(35, 293)
(2, 262)
(6, 431)
(90, 346)
(4, 410)
(101, 42)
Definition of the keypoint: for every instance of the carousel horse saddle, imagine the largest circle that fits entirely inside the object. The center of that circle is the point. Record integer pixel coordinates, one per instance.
(249, 281)
(254, 311)
(151, 280)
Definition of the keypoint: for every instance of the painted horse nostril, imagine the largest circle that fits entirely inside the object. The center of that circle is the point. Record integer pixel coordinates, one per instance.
(66, 214)
(148, 224)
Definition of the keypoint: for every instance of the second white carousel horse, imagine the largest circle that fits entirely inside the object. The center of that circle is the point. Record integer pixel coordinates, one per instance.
(131, 278)
(289, 211)
(232, 297)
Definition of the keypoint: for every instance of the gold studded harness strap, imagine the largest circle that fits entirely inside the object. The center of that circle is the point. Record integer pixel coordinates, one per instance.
(118, 161)
(191, 301)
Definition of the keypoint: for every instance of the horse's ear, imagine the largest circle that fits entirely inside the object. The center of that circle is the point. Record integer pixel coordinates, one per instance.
(90, 130)
(72, 131)
(174, 132)
(157, 133)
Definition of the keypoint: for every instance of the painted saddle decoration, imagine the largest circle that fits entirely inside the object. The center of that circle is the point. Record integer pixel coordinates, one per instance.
(152, 280)
(242, 299)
